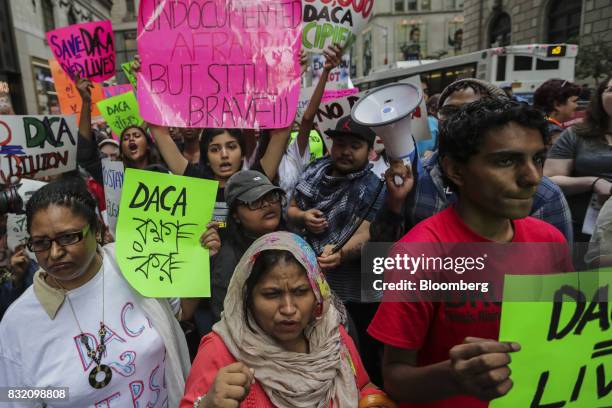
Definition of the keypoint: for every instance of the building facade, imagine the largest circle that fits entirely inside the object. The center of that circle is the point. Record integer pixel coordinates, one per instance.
(490, 23)
(26, 54)
(401, 30)
(123, 16)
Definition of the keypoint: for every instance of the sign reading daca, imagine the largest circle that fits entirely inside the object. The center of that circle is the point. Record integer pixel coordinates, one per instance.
(86, 50)
(161, 219)
(120, 112)
(37, 146)
(218, 63)
(327, 22)
(564, 329)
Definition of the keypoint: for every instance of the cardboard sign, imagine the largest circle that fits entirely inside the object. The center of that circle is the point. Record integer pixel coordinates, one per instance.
(329, 113)
(68, 94)
(219, 64)
(37, 146)
(120, 112)
(338, 78)
(565, 340)
(86, 49)
(114, 90)
(127, 70)
(158, 234)
(16, 230)
(112, 179)
(327, 22)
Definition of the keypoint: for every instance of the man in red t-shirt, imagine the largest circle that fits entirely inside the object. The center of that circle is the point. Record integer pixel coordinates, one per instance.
(443, 355)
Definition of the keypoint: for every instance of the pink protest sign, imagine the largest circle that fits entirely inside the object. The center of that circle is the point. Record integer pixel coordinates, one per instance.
(114, 90)
(218, 63)
(86, 49)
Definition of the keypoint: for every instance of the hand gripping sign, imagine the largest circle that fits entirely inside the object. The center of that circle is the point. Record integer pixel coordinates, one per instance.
(218, 63)
(85, 49)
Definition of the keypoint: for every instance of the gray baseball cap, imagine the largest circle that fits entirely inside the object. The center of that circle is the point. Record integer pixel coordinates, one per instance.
(248, 186)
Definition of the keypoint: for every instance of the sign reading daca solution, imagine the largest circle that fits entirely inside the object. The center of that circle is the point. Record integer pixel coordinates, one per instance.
(161, 220)
(37, 146)
(218, 63)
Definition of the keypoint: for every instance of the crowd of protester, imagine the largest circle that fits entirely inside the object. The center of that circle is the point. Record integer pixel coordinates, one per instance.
(287, 324)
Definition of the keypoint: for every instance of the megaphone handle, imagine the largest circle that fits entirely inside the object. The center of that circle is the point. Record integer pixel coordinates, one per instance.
(398, 180)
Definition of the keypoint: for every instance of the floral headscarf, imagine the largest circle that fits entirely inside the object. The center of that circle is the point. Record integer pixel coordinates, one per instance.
(291, 380)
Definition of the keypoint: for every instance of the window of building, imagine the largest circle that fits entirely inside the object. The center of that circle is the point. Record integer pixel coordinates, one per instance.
(412, 5)
(500, 31)
(564, 20)
(72, 18)
(130, 11)
(451, 4)
(399, 5)
(126, 49)
(47, 12)
(425, 5)
(46, 97)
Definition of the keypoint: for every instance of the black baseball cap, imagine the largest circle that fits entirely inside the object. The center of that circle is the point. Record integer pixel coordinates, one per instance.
(248, 186)
(347, 126)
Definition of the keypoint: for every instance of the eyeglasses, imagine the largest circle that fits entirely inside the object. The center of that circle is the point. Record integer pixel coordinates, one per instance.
(270, 198)
(70, 238)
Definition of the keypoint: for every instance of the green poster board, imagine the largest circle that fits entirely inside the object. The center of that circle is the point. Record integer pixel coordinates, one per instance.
(566, 346)
(120, 111)
(127, 70)
(158, 233)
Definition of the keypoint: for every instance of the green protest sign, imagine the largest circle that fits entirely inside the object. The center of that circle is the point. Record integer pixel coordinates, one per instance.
(127, 70)
(566, 341)
(314, 142)
(120, 111)
(158, 233)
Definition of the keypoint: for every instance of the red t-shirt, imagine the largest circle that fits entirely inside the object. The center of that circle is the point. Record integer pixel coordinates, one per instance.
(433, 328)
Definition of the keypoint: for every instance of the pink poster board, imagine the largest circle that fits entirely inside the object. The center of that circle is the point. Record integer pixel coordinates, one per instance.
(86, 49)
(219, 64)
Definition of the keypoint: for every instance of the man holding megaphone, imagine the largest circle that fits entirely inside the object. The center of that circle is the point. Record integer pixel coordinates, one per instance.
(424, 194)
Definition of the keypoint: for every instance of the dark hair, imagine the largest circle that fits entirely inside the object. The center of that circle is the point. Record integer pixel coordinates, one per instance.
(153, 156)
(479, 87)
(554, 91)
(432, 104)
(595, 123)
(69, 192)
(461, 135)
(209, 134)
(264, 263)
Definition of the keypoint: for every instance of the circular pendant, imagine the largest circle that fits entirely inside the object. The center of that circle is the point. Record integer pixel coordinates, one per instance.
(100, 370)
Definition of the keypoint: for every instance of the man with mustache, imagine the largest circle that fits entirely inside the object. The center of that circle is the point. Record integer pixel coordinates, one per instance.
(335, 195)
(446, 354)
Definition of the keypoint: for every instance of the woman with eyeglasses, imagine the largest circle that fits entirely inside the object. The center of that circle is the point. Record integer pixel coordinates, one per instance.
(580, 160)
(80, 325)
(255, 207)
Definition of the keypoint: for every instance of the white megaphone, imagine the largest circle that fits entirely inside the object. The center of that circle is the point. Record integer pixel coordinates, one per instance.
(387, 111)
